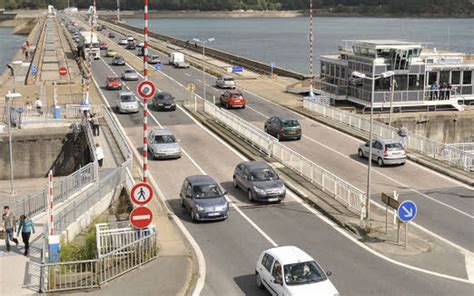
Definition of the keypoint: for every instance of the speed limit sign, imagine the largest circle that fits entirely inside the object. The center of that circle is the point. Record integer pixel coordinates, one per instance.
(146, 89)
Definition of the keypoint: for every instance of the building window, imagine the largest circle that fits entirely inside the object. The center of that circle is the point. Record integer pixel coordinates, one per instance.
(466, 77)
(443, 77)
(337, 71)
(401, 82)
(415, 82)
(382, 84)
(455, 77)
(432, 77)
(343, 73)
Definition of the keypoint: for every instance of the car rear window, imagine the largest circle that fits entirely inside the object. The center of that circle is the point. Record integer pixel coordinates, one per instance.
(229, 79)
(113, 79)
(291, 123)
(394, 146)
(130, 71)
(236, 95)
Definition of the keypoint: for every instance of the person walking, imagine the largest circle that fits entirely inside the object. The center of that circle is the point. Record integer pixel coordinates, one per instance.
(39, 106)
(403, 133)
(26, 227)
(9, 224)
(95, 125)
(99, 154)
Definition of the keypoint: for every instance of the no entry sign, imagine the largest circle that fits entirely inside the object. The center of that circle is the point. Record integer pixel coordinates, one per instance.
(62, 71)
(146, 89)
(141, 193)
(141, 217)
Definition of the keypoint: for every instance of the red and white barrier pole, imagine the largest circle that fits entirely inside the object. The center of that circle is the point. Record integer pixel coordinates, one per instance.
(145, 100)
(88, 82)
(311, 48)
(50, 203)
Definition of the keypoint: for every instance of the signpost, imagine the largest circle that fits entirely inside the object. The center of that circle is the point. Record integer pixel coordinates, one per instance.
(146, 89)
(63, 71)
(141, 193)
(141, 217)
(237, 69)
(391, 202)
(158, 67)
(272, 65)
(406, 213)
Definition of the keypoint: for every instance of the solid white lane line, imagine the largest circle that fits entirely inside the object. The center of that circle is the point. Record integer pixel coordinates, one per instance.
(336, 227)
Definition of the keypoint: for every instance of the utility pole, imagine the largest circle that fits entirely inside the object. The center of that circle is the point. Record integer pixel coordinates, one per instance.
(118, 10)
(394, 84)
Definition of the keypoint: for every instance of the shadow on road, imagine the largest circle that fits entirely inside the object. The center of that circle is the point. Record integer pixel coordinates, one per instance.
(247, 284)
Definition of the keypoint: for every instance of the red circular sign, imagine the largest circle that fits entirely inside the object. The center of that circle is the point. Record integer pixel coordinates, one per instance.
(62, 71)
(141, 217)
(146, 89)
(141, 193)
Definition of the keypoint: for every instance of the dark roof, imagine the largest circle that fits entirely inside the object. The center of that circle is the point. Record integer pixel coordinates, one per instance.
(256, 164)
(200, 180)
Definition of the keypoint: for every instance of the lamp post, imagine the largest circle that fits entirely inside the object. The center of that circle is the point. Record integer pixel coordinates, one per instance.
(9, 97)
(393, 86)
(203, 42)
(118, 10)
(369, 170)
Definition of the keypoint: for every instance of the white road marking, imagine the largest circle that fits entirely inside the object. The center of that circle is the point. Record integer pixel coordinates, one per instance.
(187, 74)
(332, 224)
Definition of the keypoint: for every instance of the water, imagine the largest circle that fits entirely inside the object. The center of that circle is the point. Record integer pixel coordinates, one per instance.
(283, 41)
(9, 44)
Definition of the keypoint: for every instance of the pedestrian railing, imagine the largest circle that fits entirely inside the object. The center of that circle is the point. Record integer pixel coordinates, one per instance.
(120, 138)
(345, 193)
(85, 274)
(445, 152)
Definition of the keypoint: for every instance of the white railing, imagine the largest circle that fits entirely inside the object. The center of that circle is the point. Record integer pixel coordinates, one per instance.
(451, 154)
(350, 196)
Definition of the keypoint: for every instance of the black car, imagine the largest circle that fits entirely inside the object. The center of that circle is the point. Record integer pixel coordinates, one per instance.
(164, 101)
(131, 45)
(283, 128)
(259, 181)
(118, 61)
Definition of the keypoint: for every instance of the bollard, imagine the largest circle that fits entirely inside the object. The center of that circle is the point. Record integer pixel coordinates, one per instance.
(214, 100)
(195, 104)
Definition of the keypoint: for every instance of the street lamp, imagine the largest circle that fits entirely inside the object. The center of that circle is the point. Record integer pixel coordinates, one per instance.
(203, 57)
(9, 97)
(369, 171)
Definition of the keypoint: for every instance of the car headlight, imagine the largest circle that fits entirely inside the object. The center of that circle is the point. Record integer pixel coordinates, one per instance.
(199, 208)
(258, 190)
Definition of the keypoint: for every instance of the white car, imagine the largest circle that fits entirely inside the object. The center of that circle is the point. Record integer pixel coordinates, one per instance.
(384, 152)
(225, 82)
(127, 103)
(289, 270)
(123, 41)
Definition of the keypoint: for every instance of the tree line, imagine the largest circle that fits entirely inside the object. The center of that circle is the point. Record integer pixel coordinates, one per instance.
(375, 7)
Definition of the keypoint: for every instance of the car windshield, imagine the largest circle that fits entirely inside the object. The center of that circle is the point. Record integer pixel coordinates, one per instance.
(165, 139)
(164, 98)
(229, 79)
(394, 146)
(154, 57)
(303, 273)
(127, 98)
(264, 174)
(291, 123)
(206, 191)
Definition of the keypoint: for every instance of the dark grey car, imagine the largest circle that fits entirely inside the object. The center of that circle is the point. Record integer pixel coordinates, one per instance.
(203, 198)
(259, 181)
(164, 101)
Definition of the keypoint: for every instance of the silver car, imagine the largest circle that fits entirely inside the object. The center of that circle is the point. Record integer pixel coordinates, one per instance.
(130, 75)
(126, 102)
(259, 181)
(163, 144)
(384, 151)
(225, 82)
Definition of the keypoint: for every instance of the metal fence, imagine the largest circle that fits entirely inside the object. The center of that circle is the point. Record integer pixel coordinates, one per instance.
(86, 274)
(117, 133)
(451, 154)
(36, 202)
(350, 196)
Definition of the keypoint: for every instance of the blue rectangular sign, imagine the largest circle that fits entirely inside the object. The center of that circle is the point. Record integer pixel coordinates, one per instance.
(237, 69)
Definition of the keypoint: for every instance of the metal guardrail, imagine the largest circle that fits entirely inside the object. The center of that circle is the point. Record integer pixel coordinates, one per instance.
(350, 196)
(117, 133)
(87, 274)
(452, 155)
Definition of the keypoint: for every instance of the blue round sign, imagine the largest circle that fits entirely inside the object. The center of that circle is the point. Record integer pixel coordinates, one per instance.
(33, 70)
(158, 67)
(407, 211)
(21, 110)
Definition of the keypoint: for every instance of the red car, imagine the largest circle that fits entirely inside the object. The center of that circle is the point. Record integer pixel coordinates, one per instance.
(113, 82)
(103, 46)
(232, 99)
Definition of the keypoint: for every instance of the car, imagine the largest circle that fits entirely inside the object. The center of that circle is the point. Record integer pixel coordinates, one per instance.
(127, 103)
(181, 64)
(123, 41)
(111, 35)
(164, 101)
(141, 44)
(113, 82)
(130, 75)
(103, 46)
(232, 99)
(118, 61)
(163, 144)
(283, 128)
(131, 45)
(225, 82)
(259, 181)
(110, 53)
(130, 39)
(288, 270)
(154, 59)
(384, 152)
(203, 198)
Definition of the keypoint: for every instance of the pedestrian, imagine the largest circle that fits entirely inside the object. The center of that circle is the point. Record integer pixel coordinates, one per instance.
(99, 154)
(403, 134)
(95, 125)
(39, 106)
(9, 224)
(26, 227)
(434, 89)
(449, 87)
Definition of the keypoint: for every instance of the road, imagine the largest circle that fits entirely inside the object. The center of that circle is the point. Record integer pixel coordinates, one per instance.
(232, 247)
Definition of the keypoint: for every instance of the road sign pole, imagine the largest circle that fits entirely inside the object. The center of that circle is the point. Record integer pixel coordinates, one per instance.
(386, 219)
(195, 104)
(145, 100)
(406, 235)
(214, 100)
(395, 196)
(398, 232)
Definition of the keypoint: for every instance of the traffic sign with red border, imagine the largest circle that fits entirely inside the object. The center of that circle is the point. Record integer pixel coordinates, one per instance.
(146, 89)
(141, 217)
(62, 71)
(141, 193)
